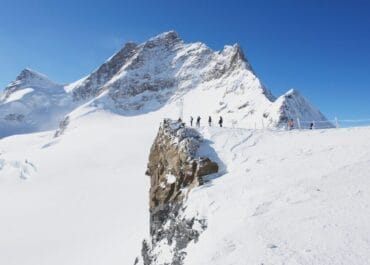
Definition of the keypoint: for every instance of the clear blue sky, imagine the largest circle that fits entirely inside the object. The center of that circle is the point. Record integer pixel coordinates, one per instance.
(321, 48)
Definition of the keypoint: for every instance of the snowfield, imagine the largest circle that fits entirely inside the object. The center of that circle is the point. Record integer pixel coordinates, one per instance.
(86, 201)
(296, 197)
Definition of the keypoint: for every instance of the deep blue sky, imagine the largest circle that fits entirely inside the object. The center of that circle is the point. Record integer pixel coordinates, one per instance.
(321, 48)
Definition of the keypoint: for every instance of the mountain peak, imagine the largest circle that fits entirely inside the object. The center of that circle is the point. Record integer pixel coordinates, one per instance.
(28, 73)
(292, 92)
(165, 38)
(30, 78)
(166, 35)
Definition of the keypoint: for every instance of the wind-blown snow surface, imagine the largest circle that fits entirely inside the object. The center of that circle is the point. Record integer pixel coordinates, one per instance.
(84, 200)
(299, 197)
(284, 197)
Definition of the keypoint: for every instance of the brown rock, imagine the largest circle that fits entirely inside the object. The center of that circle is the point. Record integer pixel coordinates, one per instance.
(173, 166)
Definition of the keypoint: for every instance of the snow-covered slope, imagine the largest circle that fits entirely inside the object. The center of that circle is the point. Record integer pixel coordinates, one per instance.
(80, 196)
(286, 198)
(32, 103)
(79, 199)
(298, 197)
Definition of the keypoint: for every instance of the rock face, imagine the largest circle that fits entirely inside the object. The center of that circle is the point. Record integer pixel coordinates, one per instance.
(173, 165)
(174, 169)
(90, 86)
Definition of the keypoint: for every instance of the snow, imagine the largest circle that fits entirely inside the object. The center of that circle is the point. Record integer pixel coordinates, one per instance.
(281, 197)
(170, 179)
(299, 197)
(69, 87)
(87, 202)
(18, 95)
(32, 103)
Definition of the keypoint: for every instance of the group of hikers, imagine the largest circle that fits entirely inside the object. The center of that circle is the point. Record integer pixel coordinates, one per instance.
(197, 123)
(291, 125)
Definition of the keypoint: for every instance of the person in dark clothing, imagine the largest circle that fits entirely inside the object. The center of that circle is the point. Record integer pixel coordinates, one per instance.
(209, 121)
(290, 124)
(198, 121)
(311, 125)
(220, 121)
(191, 121)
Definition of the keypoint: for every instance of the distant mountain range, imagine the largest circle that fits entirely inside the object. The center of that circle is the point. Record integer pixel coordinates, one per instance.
(141, 78)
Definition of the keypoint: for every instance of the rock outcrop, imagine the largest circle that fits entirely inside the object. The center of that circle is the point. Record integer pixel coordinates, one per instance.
(173, 165)
(174, 169)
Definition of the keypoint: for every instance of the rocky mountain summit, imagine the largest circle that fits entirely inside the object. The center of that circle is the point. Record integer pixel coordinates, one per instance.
(165, 69)
(174, 168)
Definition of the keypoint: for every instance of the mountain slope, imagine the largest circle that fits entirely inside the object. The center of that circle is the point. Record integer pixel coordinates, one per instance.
(284, 197)
(32, 103)
(304, 203)
(165, 69)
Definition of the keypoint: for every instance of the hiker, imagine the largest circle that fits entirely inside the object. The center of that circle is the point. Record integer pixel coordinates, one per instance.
(311, 125)
(198, 121)
(209, 121)
(179, 120)
(290, 124)
(220, 121)
(191, 121)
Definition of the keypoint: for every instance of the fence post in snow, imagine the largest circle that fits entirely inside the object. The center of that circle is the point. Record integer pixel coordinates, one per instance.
(180, 105)
(336, 122)
(299, 123)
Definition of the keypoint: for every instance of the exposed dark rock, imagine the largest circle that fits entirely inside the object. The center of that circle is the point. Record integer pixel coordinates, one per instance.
(174, 169)
(14, 117)
(62, 126)
(173, 164)
(91, 86)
